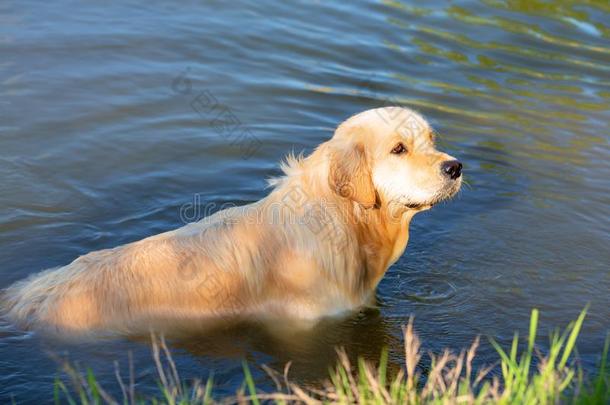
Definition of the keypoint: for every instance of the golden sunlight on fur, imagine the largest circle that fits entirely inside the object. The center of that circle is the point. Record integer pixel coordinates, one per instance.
(316, 246)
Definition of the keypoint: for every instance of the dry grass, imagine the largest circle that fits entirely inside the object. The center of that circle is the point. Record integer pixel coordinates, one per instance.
(451, 379)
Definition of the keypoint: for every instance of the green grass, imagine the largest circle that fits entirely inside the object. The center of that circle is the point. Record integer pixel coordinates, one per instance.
(557, 378)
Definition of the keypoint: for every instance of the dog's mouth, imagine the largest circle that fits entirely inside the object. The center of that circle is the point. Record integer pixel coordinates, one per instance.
(446, 194)
(419, 206)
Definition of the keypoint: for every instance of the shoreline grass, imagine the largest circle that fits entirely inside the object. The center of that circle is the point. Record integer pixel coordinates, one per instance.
(451, 378)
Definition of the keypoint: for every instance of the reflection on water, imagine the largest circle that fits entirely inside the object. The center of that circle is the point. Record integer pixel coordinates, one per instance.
(99, 149)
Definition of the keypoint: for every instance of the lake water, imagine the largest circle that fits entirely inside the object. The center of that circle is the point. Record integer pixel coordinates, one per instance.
(100, 145)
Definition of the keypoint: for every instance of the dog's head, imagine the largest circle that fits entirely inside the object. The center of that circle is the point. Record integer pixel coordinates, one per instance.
(387, 156)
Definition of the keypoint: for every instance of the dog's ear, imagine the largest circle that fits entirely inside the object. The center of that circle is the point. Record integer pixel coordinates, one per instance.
(350, 173)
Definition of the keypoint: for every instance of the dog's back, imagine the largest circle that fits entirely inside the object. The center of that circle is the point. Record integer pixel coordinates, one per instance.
(108, 288)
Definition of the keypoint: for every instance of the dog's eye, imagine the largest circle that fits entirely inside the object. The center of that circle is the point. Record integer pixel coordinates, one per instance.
(399, 149)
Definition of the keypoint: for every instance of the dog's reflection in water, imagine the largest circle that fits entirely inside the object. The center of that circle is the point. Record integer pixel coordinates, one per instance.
(311, 350)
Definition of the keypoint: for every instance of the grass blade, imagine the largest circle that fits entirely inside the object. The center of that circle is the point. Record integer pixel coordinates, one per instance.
(250, 383)
(572, 339)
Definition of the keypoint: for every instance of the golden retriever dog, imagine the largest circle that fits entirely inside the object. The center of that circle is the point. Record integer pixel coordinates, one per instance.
(316, 246)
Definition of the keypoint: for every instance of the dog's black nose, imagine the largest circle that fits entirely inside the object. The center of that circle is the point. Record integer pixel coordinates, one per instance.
(452, 168)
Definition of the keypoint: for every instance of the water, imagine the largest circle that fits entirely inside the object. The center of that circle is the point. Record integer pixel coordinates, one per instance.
(100, 146)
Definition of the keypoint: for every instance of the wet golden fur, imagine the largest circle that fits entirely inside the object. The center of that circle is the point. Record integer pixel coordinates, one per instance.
(316, 246)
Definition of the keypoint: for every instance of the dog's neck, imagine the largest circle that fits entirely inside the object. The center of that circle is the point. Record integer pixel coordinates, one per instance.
(383, 239)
